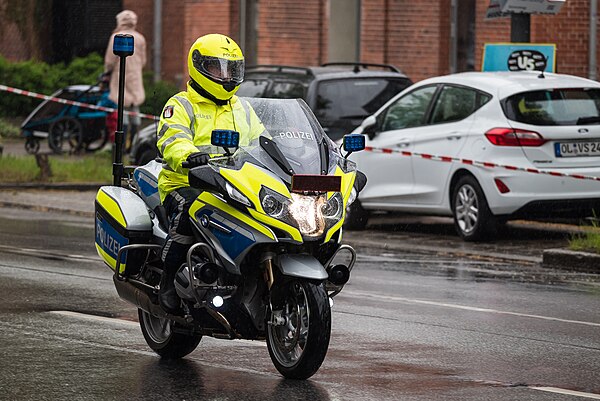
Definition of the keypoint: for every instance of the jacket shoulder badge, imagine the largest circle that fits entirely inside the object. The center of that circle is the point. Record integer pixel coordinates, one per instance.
(168, 111)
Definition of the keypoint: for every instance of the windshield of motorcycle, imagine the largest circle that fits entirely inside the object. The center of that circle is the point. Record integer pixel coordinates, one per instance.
(293, 133)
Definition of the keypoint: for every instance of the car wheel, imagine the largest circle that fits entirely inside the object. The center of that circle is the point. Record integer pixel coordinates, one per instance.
(356, 217)
(473, 219)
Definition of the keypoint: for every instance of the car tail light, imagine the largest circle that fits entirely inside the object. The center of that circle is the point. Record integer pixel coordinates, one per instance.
(514, 137)
(502, 187)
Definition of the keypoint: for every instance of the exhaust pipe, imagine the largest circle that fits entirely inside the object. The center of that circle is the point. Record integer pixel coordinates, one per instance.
(141, 299)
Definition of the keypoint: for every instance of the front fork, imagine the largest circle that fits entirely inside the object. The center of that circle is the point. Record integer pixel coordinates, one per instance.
(276, 318)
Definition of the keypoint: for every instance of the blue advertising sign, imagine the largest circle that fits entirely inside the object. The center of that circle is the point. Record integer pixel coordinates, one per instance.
(519, 57)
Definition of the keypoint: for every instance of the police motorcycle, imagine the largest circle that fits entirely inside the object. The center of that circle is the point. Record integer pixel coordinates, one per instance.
(268, 225)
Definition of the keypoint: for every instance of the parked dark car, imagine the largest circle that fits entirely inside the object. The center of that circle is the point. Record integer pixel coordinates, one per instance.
(341, 95)
(143, 147)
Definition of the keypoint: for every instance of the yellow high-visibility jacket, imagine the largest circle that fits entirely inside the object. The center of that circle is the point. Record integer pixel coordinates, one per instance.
(185, 127)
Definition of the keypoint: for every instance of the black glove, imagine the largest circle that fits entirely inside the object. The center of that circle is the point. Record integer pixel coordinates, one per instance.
(197, 159)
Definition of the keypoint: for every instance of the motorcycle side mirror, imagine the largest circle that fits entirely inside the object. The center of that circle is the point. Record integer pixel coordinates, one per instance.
(369, 126)
(225, 138)
(354, 143)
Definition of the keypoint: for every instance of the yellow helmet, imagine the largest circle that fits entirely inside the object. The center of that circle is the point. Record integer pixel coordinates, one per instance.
(216, 63)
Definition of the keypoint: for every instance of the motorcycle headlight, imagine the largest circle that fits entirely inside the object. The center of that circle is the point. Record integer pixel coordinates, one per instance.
(308, 213)
(333, 208)
(272, 205)
(311, 214)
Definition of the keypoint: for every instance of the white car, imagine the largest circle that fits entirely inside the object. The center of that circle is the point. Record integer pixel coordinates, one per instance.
(484, 147)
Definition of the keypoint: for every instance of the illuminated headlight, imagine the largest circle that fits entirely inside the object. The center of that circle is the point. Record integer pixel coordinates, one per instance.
(311, 214)
(237, 195)
(308, 213)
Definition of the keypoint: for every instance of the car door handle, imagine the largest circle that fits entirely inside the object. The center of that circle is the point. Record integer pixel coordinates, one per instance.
(453, 136)
(404, 143)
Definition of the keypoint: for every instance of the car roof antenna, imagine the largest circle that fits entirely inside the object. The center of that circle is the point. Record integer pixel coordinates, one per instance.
(542, 76)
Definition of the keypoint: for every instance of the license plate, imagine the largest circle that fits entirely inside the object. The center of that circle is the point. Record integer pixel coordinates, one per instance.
(577, 149)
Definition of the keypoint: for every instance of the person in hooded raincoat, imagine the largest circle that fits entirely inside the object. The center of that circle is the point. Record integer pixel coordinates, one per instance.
(134, 86)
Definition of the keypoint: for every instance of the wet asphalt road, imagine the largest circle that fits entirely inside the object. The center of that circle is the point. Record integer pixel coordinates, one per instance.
(410, 325)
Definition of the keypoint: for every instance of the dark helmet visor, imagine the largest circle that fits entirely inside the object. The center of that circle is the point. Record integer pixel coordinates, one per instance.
(219, 70)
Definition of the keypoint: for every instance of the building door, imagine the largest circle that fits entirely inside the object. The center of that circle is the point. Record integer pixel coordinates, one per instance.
(462, 57)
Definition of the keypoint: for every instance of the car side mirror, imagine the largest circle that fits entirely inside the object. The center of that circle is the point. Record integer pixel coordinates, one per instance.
(369, 126)
(225, 138)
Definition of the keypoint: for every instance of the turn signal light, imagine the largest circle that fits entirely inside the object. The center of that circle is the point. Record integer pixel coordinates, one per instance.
(514, 137)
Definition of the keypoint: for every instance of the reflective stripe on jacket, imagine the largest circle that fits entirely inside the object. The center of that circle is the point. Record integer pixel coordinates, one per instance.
(185, 127)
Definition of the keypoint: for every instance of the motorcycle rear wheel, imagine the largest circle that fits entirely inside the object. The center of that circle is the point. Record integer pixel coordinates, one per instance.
(298, 347)
(163, 340)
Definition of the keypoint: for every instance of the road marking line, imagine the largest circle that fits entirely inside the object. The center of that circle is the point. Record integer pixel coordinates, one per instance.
(41, 253)
(464, 307)
(567, 392)
(96, 318)
(23, 330)
(85, 316)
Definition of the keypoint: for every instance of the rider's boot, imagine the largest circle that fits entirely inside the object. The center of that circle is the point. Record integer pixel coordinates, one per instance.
(167, 295)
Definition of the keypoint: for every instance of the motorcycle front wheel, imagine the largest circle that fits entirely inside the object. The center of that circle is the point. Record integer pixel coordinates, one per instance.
(298, 336)
(163, 340)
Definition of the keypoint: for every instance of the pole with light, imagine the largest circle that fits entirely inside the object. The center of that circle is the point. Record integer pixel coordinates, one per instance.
(122, 47)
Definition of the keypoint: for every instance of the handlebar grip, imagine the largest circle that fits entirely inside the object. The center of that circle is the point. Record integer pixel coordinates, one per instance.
(185, 164)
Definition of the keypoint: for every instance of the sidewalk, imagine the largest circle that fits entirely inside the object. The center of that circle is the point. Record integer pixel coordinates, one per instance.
(79, 203)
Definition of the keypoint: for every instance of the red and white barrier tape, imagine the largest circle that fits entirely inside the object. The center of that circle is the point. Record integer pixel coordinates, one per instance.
(449, 159)
(71, 102)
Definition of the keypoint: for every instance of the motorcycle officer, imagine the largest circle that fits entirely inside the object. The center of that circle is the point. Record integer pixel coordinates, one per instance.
(216, 68)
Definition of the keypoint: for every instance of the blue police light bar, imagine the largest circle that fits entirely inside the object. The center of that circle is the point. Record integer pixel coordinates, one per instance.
(354, 142)
(225, 138)
(123, 45)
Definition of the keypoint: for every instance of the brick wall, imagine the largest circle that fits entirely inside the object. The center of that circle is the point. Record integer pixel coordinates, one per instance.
(488, 31)
(28, 36)
(569, 30)
(374, 25)
(413, 35)
(292, 32)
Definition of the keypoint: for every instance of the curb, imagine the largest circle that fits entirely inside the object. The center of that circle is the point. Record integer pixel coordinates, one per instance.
(566, 259)
(428, 250)
(39, 208)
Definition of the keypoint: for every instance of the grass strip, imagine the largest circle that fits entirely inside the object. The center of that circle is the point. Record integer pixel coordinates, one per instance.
(95, 167)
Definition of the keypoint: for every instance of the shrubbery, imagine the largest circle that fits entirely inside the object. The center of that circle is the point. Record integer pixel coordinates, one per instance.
(157, 94)
(40, 77)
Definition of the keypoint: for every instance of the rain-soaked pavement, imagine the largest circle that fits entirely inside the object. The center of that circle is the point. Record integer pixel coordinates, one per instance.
(462, 323)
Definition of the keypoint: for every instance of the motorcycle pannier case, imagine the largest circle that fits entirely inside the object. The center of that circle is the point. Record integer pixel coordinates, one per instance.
(121, 219)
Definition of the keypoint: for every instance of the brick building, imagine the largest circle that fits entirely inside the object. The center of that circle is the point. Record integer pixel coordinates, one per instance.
(414, 35)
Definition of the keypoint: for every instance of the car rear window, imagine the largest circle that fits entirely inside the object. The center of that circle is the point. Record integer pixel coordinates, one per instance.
(344, 103)
(287, 90)
(253, 88)
(572, 106)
